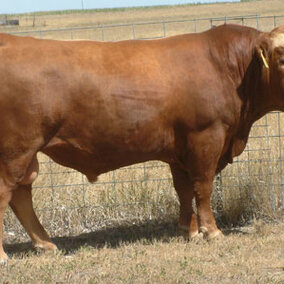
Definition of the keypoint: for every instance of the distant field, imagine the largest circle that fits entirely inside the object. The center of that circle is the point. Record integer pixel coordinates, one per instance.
(133, 197)
(134, 15)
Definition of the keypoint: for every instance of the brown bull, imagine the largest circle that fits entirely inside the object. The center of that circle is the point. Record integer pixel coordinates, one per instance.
(188, 100)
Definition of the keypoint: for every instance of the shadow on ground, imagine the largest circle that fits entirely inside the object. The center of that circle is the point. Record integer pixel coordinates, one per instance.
(113, 237)
(110, 237)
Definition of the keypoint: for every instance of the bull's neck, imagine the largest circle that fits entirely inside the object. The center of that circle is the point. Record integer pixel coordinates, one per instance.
(251, 86)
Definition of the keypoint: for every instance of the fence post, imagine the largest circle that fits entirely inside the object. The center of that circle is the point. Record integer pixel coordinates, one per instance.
(281, 166)
(274, 21)
(219, 193)
(114, 193)
(103, 34)
(51, 181)
(195, 25)
(164, 28)
(270, 171)
(133, 31)
(257, 22)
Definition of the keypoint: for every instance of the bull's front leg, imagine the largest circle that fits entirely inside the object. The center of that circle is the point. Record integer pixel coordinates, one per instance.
(206, 220)
(204, 151)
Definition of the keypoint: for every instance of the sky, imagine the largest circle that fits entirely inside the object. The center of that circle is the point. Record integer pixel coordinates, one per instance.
(24, 6)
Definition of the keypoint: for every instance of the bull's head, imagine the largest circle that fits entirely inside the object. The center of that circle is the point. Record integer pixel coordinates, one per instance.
(270, 52)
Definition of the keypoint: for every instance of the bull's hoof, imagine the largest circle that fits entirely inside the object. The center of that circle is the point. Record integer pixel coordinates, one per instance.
(210, 235)
(46, 246)
(187, 233)
(194, 235)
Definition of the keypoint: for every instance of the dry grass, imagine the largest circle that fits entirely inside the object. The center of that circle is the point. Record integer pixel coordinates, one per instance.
(155, 254)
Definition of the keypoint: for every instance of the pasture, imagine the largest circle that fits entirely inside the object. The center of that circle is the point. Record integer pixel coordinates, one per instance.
(132, 212)
(155, 253)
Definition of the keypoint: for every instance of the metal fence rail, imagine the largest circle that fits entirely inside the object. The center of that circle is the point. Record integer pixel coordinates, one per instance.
(67, 204)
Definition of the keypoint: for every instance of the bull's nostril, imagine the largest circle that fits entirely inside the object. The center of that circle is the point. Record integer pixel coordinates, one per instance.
(281, 61)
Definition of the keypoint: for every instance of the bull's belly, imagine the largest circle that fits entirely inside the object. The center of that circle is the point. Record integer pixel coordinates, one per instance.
(100, 161)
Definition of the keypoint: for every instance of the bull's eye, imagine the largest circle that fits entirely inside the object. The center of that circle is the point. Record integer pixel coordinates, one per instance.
(281, 61)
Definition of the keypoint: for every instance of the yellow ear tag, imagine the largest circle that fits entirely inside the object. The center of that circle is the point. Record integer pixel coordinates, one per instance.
(264, 59)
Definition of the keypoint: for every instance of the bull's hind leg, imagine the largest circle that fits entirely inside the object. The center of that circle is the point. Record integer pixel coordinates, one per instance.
(184, 189)
(22, 205)
(5, 196)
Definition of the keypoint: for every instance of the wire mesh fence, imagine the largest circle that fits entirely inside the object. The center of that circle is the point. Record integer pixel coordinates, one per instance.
(150, 30)
(67, 204)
